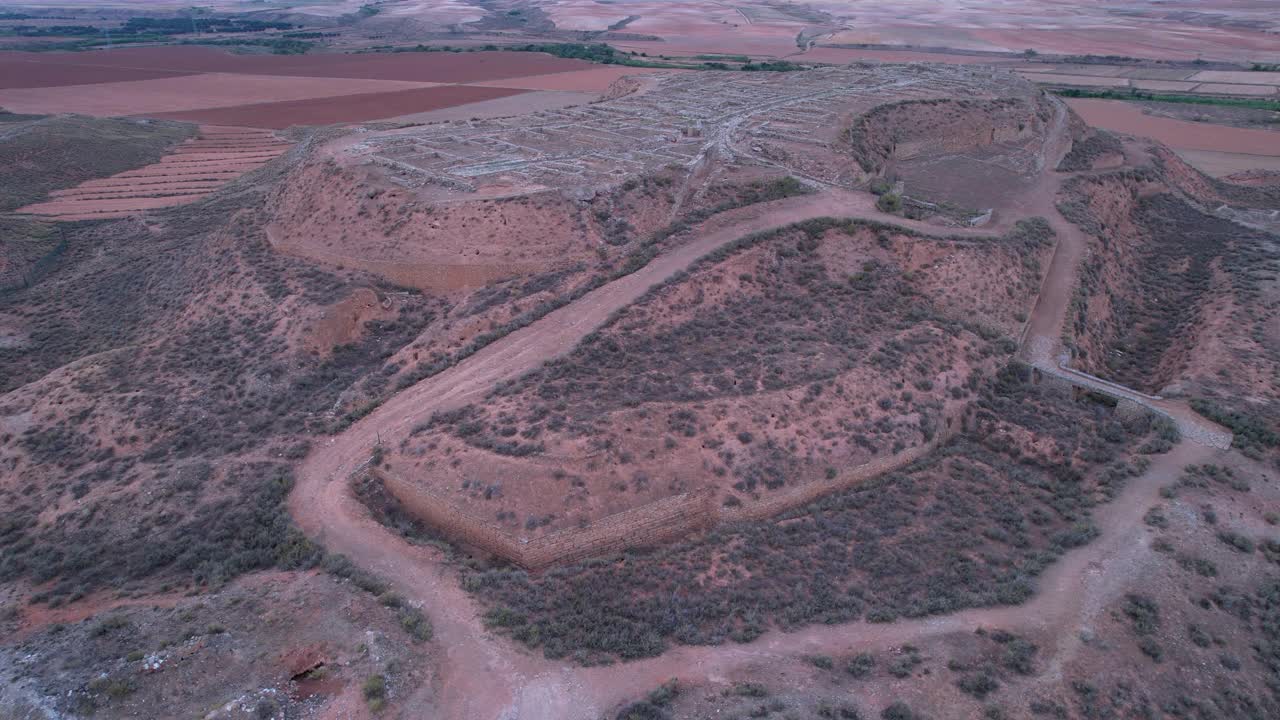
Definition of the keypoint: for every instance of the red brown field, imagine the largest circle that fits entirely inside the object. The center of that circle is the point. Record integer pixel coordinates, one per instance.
(410, 67)
(595, 79)
(1179, 134)
(188, 92)
(206, 85)
(344, 109)
(30, 70)
(1212, 148)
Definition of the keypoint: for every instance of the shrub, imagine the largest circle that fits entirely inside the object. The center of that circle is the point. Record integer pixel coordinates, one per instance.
(1143, 612)
(897, 710)
(416, 624)
(889, 203)
(109, 624)
(375, 692)
(1248, 429)
(1019, 654)
(1238, 542)
(993, 517)
(643, 711)
(1151, 648)
(860, 665)
(114, 688)
(979, 684)
(823, 662)
(665, 693)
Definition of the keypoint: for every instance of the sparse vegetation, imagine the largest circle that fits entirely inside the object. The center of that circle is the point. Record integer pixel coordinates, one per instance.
(1130, 326)
(223, 387)
(1039, 509)
(1250, 431)
(1084, 152)
(889, 202)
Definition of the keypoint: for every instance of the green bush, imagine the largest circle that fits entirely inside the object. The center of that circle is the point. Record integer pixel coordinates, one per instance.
(416, 624)
(860, 665)
(823, 662)
(375, 692)
(889, 203)
(1248, 429)
(1238, 542)
(979, 684)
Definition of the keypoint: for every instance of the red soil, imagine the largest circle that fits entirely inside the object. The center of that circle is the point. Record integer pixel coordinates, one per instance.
(1187, 43)
(187, 92)
(344, 108)
(30, 70)
(1124, 117)
(151, 62)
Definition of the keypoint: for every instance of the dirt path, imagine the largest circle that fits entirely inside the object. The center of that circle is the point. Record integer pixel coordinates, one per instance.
(489, 677)
(1042, 341)
(1069, 596)
(484, 673)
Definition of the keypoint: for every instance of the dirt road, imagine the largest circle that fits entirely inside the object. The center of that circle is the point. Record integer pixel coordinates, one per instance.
(484, 673)
(489, 677)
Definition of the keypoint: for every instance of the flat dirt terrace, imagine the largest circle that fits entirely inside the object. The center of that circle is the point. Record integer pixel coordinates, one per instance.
(208, 85)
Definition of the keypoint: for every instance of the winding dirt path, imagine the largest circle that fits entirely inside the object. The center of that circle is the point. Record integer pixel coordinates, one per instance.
(484, 676)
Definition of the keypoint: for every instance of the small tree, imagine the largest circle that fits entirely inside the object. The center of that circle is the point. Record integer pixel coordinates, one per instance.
(889, 202)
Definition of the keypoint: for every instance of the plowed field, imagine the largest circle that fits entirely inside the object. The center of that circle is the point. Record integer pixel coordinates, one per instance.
(342, 108)
(207, 85)
(194, 169)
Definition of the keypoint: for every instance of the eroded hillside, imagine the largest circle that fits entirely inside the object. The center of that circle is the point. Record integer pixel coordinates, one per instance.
(791, 358)
(1175, 298)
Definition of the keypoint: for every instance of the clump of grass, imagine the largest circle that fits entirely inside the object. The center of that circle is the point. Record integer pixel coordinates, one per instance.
(375, 692)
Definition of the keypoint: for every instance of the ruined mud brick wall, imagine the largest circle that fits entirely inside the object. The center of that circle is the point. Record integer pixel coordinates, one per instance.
(662, 521)
(444, 515)
(658, 522)
(803, 494)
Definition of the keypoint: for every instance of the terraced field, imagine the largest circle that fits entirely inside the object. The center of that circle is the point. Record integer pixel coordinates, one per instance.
(197, 167)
